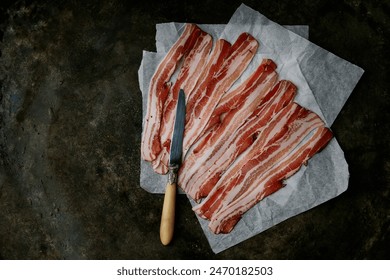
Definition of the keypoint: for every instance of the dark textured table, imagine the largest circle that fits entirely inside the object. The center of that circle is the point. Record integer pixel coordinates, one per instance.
(70, 118)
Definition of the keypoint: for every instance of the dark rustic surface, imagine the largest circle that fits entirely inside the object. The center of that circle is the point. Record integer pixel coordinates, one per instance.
(70, 118)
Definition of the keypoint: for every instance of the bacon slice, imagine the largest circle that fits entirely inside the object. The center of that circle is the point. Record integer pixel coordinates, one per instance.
(206, 98)
(187, 78)
(257, 187)
(159, 88)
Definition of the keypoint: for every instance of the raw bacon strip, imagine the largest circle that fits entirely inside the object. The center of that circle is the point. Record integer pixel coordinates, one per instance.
(204, 167)
(189, 73)
(159, 88)
(242, 52)
(257, 188)
(259, 158)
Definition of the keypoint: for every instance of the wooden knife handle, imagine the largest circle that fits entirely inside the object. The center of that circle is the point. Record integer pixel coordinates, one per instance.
(168, 214)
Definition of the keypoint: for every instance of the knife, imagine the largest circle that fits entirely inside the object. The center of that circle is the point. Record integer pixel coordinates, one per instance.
(168, 211)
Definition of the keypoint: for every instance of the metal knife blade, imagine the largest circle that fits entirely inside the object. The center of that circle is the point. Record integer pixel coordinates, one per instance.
(178, 131)
(168, 212)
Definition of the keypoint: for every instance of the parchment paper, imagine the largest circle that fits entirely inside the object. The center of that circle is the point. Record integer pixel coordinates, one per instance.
(324, 83)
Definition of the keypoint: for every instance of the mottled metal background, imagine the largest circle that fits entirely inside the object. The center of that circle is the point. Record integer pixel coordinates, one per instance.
(70, 129)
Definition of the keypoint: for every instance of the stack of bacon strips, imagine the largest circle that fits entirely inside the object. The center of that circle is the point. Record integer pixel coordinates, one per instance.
(241, 142)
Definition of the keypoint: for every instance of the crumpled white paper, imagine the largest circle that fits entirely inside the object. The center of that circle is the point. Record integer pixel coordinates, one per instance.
(324, 83)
